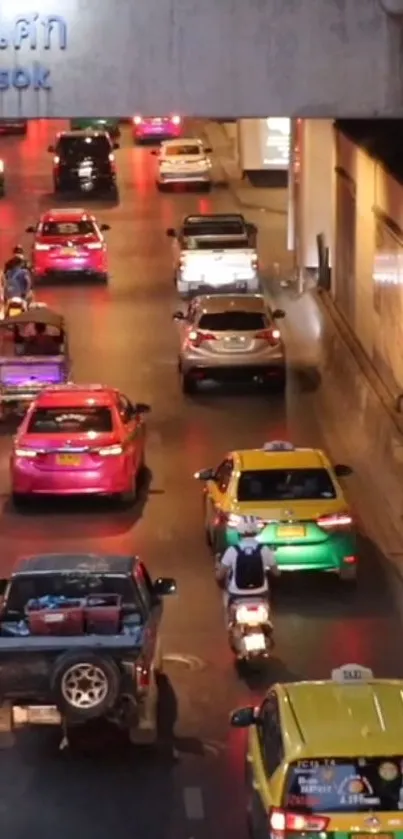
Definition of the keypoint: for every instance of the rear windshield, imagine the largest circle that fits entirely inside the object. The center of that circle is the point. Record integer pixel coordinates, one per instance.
(74, 420)
(214, 228)
(173, 151)
(285, 485)
(79, 147)
(68, 228)
(345, 785)
(233, 322)
(74, 586)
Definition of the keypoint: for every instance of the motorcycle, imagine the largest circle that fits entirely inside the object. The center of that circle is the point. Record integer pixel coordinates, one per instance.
(250, 629)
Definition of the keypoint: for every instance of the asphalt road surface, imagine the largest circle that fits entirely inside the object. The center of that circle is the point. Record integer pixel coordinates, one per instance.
(124, 335)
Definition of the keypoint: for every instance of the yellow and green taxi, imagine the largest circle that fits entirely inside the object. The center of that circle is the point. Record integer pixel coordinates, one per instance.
(295, 495)
(324, 759)
(96, 124)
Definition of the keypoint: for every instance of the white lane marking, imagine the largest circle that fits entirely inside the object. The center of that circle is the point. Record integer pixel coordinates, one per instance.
(194, 807)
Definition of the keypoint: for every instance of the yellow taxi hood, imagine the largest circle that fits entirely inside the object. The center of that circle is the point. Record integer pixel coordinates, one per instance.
(361, 822)
(290, 510)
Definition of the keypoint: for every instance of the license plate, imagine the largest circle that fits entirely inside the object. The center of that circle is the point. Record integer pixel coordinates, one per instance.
(12, 312)
(291, 532)
(68, 460)
(255, 642)
(69, 252)
(375, 835)
(43, 715)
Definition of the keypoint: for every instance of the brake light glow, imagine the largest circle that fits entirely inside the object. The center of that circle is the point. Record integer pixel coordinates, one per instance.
(137, 120)
(176, 120)
(56, 160)
(108, 451)
(281, 822)
(272, 336)
(30, 454)
(335, 521)
(350, 560)
(94, 246)
(197, 338)
(40, 247)
(1, 166)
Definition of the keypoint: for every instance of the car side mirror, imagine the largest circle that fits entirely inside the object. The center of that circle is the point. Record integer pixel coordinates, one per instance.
(3, 585)
(164, 586)
(205, 475)
(171, 233)
(105, 227)
(278, 314)
(208, 150)
(141, 408)
(30, 229)
(178, 316)
(243, 717)
(51, 149)
(341, 470)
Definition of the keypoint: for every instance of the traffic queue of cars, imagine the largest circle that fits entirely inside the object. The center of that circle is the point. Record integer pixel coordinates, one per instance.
(323, 758)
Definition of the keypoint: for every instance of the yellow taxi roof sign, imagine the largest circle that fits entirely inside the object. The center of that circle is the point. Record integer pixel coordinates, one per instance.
(352, 673)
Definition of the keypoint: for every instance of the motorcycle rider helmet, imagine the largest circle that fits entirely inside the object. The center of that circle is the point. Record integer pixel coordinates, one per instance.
(19, 251)
(248, 526)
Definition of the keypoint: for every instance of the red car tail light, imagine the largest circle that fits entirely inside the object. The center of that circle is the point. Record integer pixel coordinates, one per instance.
(94, 246)
(176, 120)
(271, 336)
(110, 451)
(29, 454)
(335, 522)
(56, 160)
(280, 821)
(349, 560)
(137, 120)
(196, 339)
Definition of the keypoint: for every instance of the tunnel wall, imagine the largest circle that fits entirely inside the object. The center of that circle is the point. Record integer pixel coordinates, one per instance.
(209, 59)
(368, 257)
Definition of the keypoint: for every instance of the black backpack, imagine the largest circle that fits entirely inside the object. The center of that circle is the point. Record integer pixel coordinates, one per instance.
(249, 569)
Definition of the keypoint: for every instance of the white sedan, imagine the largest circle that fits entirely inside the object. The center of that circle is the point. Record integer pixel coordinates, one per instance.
(183, 161)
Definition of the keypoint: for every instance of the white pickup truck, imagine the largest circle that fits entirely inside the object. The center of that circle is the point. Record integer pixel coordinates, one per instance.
(215, 253)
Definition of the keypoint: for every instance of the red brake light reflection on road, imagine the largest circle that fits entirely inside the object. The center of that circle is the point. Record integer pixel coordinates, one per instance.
(282, 822)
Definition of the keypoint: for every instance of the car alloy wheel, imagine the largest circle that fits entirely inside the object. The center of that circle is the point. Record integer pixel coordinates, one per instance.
(84, 686)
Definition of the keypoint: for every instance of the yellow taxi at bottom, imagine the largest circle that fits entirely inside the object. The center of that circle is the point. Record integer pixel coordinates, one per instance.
(325, 758)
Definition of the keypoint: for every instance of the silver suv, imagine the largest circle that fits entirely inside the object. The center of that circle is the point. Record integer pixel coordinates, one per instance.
(225, 337)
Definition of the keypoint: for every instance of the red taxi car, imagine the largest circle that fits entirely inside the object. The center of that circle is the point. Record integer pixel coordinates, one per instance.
(69, 242)
(79, 440)
(156, 128)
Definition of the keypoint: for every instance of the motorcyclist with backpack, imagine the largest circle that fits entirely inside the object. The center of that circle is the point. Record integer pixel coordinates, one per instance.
(243, 569)
(17, 281)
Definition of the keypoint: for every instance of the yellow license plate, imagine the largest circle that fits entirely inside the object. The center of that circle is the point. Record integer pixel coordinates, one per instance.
(68, 460)
(69, 252)
(290, 531)
(14, 312)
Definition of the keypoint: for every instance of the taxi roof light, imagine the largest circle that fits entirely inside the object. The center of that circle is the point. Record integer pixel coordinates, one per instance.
(278, 446)
(352, 673)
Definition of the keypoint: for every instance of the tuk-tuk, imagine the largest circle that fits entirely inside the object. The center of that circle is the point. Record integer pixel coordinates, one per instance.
(33, 355)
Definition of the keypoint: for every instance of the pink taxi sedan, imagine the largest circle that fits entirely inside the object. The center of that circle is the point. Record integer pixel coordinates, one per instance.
(79, 440)
(69, 243)
(154, 129)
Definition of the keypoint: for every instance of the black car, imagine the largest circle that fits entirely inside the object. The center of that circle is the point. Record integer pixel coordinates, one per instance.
(84, 162)
(13, 126)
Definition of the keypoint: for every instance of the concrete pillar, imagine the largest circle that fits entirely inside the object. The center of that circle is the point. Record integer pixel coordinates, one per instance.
(313, 176)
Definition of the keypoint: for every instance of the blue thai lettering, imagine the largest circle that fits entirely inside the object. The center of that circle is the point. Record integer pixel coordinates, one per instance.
(4, 80)
(25, 30)
(3, 42)
(20, 78)
(50, 22)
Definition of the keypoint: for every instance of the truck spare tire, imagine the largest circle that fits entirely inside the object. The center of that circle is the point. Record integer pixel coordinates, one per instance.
(85, 685)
